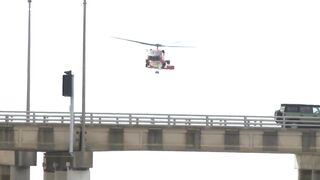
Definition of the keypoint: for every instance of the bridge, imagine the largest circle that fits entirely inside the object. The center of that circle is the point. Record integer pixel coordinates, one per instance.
(23, 134)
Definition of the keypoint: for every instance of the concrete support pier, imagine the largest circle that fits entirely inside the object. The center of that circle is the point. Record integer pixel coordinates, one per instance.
(15, 165)
(67, 166)
(308, 166)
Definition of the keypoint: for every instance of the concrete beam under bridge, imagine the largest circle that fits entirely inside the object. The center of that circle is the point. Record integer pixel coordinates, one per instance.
(67, 166)
(15, 165)
(308, 166)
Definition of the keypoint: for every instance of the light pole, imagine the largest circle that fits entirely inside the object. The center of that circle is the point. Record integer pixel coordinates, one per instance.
(83, 146)
(28, 65)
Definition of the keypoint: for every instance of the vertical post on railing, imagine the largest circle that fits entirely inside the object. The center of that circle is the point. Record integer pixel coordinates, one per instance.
(137, 121)
(117, 120)
(7, 119)
(169, 120)
(130, 119)
(188, 122)
(34, 117)
(152, 121)
(91, 118)
(246, 123)
(207, 121)
(283, 121)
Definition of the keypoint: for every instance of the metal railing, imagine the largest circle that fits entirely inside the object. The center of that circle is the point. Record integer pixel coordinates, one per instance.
(134, 119)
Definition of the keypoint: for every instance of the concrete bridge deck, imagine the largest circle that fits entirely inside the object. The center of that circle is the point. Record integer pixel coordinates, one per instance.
(54, 137)
(49, 131)
(22, 134)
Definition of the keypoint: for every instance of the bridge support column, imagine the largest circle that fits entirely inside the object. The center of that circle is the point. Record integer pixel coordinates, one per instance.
(15, 165)
(67, 166)
(308, 166)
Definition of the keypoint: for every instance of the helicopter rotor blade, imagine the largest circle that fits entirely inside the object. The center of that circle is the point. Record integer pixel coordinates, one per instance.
(158, 45)
(180, 46)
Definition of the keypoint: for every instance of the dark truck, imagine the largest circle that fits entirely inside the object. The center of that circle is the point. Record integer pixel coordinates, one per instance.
(298, 115)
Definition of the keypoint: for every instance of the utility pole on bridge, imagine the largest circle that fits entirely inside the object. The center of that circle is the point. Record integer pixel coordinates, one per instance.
(83, 130)
(28, 63)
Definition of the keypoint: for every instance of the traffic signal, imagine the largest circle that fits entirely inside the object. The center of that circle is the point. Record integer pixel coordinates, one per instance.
(67, 84)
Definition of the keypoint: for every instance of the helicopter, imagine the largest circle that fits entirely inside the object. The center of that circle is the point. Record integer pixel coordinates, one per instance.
(155, 57)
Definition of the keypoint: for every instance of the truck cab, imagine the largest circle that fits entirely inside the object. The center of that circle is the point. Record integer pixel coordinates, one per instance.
(294, 115)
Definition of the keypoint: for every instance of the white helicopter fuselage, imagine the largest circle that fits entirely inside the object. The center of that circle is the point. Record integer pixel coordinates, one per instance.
(155, 58)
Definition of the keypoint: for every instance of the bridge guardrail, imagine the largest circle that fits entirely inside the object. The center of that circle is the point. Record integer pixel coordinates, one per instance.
(35, 117)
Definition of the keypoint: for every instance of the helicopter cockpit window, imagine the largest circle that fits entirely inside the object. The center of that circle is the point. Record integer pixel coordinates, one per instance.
(152, 52)
(154, 58)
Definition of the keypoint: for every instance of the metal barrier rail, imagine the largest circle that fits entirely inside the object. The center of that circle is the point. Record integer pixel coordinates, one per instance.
(34, 117)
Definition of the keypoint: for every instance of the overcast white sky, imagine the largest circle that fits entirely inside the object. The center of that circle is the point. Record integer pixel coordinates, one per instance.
(251, 56)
